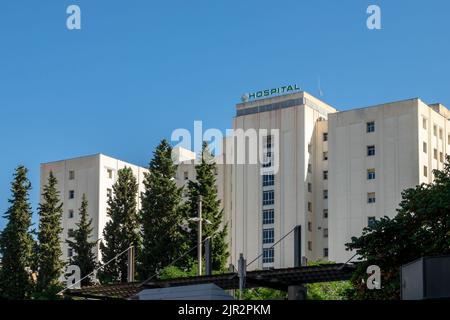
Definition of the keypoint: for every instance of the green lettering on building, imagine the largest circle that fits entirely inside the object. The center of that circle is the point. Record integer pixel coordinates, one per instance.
(269, 92)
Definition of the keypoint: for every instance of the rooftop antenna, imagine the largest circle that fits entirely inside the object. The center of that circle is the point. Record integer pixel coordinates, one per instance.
(320, 87)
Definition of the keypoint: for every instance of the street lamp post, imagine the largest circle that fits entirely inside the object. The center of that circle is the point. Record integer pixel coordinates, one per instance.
(199, 237)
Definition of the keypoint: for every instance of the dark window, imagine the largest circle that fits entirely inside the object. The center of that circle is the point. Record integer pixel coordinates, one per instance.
(71, 175)
(268, 180)
(71, 194)
(268, 198)
(268, 236)
(370, 174)
(370, 151)
(325, 136)
(325, 175)
(371, 221)
(70, 214)
(371, 126)
(325, 213)
(268, 216)
(268, 255)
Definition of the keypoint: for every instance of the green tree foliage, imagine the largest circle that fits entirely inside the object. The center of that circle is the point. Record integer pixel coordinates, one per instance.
(49, 264)
(336, 290)
(421, 228)
(262, 294)
(122, 230)
(161, 214)
(205, 186)
(83, 248)
(16, 241)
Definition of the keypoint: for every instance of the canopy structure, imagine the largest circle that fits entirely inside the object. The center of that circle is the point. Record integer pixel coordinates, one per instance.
(279, 279)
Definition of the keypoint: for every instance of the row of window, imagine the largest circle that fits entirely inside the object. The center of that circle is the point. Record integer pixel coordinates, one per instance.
(325, 250)
(435, 130)
(109, 173)
(435, 152)
(370, 127)
(325, 211)
(325, 230)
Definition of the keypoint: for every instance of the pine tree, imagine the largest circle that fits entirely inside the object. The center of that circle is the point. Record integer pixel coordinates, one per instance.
(50, 265)
(205, 186)
(16, 241)
(161, 213)
(122, 231)
(83, 249)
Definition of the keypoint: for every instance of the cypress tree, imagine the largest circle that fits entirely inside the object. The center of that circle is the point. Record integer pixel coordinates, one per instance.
(49, 263)
(16, 241)
(160, 214)
(205, 186)
(122, 231)
(83, 249)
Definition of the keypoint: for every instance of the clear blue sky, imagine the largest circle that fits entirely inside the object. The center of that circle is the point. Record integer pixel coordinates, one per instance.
(139, 69)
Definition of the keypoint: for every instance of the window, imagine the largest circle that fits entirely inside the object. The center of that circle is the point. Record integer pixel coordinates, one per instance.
(325, 136)
(371, 221)
(268, 236)
(109, 173)
(325, 175)
(435, 130)
(71, 214)
(325, 233)
(70, 233)
(325, 252)
(268, 142)
(370, 126)
(425, 171)
(441, 134)
(309, 187)
(71, 194)
(309, 148)
(309, 206)
(371, 197)
(268, 216)
(70, 252)
(268, 197)
(71, 175)
(424, 123)
(268, 180)
(309, 245)
(425, 147)
(325, 194)
(186, 175)
(370, 151)
(325, 156)
(309, 226)
(267, 160)
(441, 157)
(325, 213)
(435, 153)
(268, 255)
(309, 167)
(370, 174)
(109, 193)
(448, 139)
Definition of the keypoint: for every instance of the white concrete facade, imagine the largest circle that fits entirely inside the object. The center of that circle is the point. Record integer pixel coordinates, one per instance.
(368, 157)
(337, 171)
(91, 175)
(298, 186)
